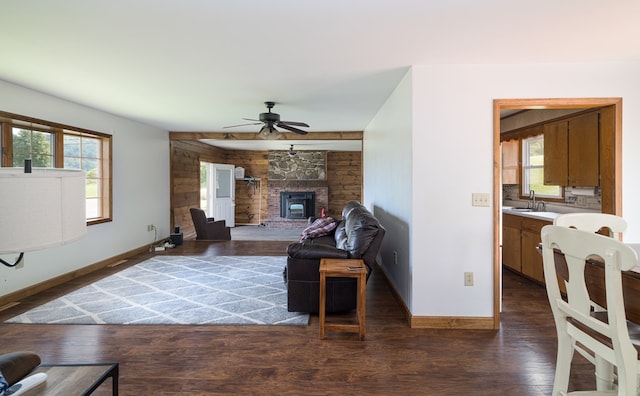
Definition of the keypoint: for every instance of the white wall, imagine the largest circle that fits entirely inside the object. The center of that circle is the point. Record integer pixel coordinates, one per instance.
(452, 157)
(387, 181)
(140, 188)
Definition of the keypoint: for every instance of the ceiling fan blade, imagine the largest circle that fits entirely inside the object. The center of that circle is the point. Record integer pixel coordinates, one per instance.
(295, 123)
(251, 119)
(292, 129)
(233, 126)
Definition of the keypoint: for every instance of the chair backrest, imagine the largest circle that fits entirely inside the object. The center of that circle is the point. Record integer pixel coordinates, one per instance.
(593, 222)
(573, 316)
(199, 218)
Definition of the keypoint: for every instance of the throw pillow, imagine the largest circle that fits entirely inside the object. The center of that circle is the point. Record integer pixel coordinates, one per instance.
(320, 227)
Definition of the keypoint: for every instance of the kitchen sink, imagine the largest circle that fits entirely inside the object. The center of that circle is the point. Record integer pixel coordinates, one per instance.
(522, 210)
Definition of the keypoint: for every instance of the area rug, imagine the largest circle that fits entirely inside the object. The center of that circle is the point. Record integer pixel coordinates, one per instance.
(216, 290)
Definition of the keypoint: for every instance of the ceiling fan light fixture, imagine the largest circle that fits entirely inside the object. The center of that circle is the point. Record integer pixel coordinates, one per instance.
(268, 132)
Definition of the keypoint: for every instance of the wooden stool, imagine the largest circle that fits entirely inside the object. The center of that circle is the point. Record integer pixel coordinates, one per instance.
(343, 268)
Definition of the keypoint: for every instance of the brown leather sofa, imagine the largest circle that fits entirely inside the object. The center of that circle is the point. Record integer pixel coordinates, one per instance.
(358, 235)
(208, 228)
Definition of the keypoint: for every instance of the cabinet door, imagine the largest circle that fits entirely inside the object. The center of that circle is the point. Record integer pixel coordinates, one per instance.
(511, 256)
(511, 248)
(556, 165)
(531, 259)
(510, 156)
(584, 161)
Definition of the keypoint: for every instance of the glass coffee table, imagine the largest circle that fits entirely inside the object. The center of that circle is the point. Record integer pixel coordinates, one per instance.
(75, 379)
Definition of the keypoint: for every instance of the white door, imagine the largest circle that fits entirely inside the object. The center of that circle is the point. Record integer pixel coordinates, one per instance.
(221, 186)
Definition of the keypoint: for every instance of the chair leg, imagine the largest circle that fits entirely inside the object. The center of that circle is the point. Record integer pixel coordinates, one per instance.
(563, 365)
(604, 374)
(628, 379)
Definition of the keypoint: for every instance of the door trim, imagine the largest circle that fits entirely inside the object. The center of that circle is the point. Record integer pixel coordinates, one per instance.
(557, 103)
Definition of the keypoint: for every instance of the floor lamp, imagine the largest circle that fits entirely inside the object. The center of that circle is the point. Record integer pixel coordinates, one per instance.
(39, 208)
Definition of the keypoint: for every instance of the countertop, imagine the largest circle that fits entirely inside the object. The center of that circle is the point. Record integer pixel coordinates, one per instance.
(547, 216)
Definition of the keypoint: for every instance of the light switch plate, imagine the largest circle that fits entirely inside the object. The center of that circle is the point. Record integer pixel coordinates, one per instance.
(480, 199)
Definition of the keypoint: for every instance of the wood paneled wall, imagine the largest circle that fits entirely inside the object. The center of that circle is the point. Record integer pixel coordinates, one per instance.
(255, 164)
(185, 180)
(344, 180)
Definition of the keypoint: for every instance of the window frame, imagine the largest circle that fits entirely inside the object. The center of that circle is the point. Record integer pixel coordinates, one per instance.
(8, 121)
(525, 167)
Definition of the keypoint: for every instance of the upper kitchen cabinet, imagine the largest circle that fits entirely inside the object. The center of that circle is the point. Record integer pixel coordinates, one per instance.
(556, 148)
(571, 151)
(510, 156)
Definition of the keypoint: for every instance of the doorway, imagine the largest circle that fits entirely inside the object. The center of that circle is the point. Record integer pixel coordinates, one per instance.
(610, 181)
(218, 187)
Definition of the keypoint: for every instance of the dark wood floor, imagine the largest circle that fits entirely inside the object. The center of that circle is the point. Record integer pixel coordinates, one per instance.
(394, 359)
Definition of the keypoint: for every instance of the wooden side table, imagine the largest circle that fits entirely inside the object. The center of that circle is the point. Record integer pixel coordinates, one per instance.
(343, 268)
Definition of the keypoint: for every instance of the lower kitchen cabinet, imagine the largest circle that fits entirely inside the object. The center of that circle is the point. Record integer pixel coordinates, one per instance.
(511, 252)
(519, 245)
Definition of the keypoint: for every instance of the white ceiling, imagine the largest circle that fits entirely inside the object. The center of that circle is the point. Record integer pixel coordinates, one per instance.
(194, 65)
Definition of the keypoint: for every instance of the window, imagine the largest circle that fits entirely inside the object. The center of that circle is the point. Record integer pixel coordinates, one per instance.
(85, 153)
(35, 145)
(51, 145)
(533, 169)
(204, 189)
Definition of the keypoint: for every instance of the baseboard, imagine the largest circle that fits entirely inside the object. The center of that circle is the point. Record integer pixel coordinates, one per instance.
(451, 322)
(439, 322)
(14, 297)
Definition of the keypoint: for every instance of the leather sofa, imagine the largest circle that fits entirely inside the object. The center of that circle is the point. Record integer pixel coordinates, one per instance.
(358, 235)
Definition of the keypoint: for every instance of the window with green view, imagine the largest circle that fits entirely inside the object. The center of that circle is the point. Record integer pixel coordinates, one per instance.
(533, 169)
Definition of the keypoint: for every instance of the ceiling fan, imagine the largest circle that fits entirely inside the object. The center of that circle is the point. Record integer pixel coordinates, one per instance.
(270, 121)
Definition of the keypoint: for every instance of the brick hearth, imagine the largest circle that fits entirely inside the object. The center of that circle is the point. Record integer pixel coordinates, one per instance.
(275, 187)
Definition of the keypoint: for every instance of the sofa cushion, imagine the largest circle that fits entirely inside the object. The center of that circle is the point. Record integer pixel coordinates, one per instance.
(361, 228)
(320, 227)
(340, 236)
(315, 251)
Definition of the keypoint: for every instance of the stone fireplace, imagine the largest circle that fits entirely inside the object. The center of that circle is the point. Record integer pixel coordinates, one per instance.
(277, 188)
(296, 188)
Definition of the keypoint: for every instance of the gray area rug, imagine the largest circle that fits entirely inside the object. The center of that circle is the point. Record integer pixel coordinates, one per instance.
(217, 290)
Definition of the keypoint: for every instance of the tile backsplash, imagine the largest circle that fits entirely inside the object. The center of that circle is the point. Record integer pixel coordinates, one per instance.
(587, 198)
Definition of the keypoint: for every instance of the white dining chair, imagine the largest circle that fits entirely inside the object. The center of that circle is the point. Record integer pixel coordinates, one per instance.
(574, 320)
(593, 222)
(614, 226)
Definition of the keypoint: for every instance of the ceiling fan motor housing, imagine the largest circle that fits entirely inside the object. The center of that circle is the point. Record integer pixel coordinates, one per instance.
(269, 117)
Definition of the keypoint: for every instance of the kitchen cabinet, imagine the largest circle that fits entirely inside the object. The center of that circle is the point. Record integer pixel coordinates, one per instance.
(571, 151)
(531, 258)
(520, 239)
(511, 255)
(510, 159)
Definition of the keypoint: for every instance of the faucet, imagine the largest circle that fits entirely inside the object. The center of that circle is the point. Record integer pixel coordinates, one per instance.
(542, 205)
(532, 200)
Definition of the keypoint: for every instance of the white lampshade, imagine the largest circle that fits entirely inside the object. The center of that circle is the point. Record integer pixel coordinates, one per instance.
(41, 209)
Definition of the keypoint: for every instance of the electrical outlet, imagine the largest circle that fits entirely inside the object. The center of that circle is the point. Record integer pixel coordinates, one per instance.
(479, 199)
(581, 201)
(468, 278)
(150, 227)
(395, 257)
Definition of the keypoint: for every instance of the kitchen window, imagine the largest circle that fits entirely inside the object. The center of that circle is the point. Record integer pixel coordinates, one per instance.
(533, 169)
(52, 145)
